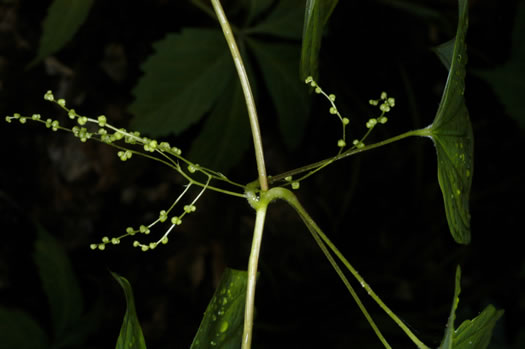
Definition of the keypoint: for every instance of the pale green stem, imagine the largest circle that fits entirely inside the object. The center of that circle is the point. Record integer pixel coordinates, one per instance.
(292, 200)
(248, 95)
(424, 132)
(249, 308)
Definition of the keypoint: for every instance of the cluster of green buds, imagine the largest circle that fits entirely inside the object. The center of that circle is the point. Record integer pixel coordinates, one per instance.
(127, 144)
(341, 143)
(385, 104)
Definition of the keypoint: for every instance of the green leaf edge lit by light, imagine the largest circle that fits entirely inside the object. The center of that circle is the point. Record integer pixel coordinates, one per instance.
(130, 336)
(222, 324)
(452, 134)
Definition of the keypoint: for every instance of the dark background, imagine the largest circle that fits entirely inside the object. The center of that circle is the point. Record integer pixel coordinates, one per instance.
(383, 209)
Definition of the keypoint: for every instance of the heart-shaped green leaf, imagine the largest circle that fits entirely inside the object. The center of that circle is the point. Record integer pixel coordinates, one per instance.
(182, 80)
(475, 333)
(221, 327)
(452, 135)
(63, 19)
(316, 15)
(130, 336)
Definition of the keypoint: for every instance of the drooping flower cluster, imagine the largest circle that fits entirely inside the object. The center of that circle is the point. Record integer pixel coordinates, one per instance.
(127, 144)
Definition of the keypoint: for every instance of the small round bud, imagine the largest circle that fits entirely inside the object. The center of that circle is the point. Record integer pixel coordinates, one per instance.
(308, 80)
(333, 110)
(22, 120)
(35, 117)
(144, 248)
(72, 114)
(115, 241)
(373, 102)
(61, 102)
(391, 101)
(346, 121)
(136, 243)
(383, 119)
(49, 96)
(164, 240)
(130, 230)
(102, 120)
(288, 178)
(317, 90)
(105, 239)
(93, 246)
(383, 95)
(176, 220)
(332, 97)
(384, 107)
(152, 245)
(295, 185)
(101, 247)
(341, 143)
(82, 120)
(191, 169)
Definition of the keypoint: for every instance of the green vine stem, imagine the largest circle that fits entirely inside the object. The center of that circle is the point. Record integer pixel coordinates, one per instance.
(323, 242)
(248, 95)
(316, 166)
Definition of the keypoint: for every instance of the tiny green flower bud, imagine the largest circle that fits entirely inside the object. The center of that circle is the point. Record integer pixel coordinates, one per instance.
(22, 120)
(333, 110)
(384, 107)
(93, 246)
(61, 102)
(176, 220)
(341, 143)
(82, 120)
(55, 125)
(105, 239)
(115, 241)
(102, 120)
(373, 102)
(189, 208)
(383, 119)
(72, 114)
(164, 240)
(383, 95)
(346, 121)
(152, 245)
(295, 185)
(332, 97)
(101, 247)
(144, 248)
(191, 168)
(288, 178)
(308, 80)
(130, 230)
(136, 243)
(49, 96)
(391, 101)
(35, 117)
(371, 123)
(317, 90)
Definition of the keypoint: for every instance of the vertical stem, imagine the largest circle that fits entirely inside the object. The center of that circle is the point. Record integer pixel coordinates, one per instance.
(252, 275)
(248, 95)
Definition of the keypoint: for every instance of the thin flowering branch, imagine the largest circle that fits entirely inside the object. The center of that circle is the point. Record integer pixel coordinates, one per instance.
(128, 144)
(385, 105)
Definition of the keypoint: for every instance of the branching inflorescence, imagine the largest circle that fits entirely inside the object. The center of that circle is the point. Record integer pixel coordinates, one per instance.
(384, 103)
(130, 143)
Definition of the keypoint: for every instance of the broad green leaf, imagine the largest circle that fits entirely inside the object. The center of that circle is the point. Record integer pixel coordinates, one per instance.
(19, 330)
(226, 133)
(130, 336)
(508, 80)
(222, 324)
(285, 20)
(63, 20)
(59, 283)
(278, 63)
(316, 15)
(182, 80)
(452, 134)
(475, 333)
